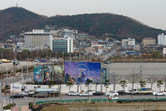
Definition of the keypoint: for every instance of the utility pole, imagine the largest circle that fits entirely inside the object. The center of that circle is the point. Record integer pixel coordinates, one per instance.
(1, 109)
(141, 68)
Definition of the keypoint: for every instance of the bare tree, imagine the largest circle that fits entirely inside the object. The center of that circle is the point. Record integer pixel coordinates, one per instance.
(133, 78)
(115, 80)
(152, 79)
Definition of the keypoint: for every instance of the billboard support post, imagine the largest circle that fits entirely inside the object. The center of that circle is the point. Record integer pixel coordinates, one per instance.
(101, 82)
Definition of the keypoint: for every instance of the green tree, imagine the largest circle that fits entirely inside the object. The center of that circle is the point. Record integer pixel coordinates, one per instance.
(156, 54)
(88, 82)
(69, 83)
(78, 85)
(106, 84)
(142, 84)
(123, 84)
(159, 83)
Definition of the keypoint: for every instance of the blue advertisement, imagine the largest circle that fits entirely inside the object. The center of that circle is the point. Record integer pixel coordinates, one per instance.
(38, 74)
(47, 73)
(80, 72)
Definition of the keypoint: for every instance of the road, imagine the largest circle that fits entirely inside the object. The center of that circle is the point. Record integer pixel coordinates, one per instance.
(26, 100)
(8, 67)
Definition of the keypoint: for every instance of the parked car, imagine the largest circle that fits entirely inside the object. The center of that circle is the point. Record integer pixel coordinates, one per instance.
(121, 92)
(86, 94)
(41, 94)
(111, 93)
(25, 93)
(31, 93)
(15, 63)
(159, 93)
(145, 91)
(132, 91)
(113, 97)
(98, 93)
(91, 91)
(17, 74)
(107, 62)
(72, 93)
(18, 95)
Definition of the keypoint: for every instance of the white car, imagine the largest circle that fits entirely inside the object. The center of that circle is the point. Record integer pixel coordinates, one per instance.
(91, 91)
(159, 93)
(25, 93)
(112, 93)
(72, 93)
(86, 94)
(113, 98)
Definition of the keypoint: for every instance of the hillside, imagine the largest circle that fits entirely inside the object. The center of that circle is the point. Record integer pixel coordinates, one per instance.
(98, 24)
(15, 20)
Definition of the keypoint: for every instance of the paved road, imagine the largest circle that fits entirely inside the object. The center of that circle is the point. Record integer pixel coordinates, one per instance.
(26, 100)
(6, 67)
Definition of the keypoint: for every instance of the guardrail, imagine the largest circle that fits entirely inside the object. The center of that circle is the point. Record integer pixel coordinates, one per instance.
(75, 101)
(98, 100)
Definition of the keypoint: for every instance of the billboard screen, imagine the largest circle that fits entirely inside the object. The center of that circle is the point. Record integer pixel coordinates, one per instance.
(58, 73)
(38, 74)
(47, 73)
(80, 72)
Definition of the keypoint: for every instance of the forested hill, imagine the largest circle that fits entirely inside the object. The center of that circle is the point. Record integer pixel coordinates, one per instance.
(99, 24)
(15, 20)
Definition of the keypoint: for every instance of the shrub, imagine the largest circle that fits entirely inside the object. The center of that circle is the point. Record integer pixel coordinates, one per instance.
(9, 106)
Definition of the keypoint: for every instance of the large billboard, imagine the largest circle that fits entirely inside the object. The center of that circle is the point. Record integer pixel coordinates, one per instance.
(80, 72)
(38, 74)
(48, 73)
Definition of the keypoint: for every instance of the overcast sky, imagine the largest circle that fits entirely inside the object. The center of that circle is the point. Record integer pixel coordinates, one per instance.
(149, 12)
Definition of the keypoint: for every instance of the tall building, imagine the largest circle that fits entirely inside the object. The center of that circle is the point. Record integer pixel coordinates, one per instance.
(128, 42)
(38, 39)
(148, 41)
(161, 39)
(63, 45)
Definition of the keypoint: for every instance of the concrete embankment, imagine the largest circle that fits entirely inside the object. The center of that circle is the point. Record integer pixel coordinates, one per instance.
(143, 106)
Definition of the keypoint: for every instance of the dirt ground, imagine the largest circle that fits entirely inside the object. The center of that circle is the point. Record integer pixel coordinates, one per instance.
(135, 106)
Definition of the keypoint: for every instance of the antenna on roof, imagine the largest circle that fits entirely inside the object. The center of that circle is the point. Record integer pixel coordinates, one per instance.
(16, 4)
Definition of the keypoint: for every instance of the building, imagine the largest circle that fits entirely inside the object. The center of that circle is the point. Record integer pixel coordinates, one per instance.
(63, 45)
(161, 39)
(148, 41)
(20, 45)
(128, 42)
(164, 51)
(38, 39)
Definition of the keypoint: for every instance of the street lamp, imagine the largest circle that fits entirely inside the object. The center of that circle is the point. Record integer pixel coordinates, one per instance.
(101, 80)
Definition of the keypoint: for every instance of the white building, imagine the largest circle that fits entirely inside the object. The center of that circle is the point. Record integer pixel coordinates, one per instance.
(70, 45)
(128, 42)
(38, 39)
(20, 45)
(164, 51)
(161, 39)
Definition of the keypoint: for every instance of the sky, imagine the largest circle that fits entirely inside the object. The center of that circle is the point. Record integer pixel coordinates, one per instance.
(148, 12)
